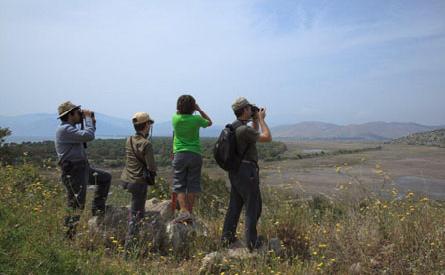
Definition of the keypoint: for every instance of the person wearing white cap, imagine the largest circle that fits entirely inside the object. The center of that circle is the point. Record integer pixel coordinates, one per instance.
(138, 174)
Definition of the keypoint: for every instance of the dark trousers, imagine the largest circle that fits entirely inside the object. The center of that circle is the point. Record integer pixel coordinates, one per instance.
(245, 190)
(76, 176)
(137, 211)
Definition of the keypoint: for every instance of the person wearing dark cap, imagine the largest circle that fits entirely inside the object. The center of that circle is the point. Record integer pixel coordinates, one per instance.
(245, 189)
(139, 172)
(76, 171)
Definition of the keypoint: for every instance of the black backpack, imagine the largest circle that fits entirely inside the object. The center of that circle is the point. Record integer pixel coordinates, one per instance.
(225, 149)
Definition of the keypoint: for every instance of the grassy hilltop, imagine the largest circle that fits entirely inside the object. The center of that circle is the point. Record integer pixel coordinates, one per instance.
(372, 235)
(358, 232)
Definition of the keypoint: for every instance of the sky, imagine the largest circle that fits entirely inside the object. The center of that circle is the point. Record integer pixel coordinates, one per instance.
(334, 61)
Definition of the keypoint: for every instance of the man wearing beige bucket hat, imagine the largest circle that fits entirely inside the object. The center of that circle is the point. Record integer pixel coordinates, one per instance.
(76, 171)
(139, 172)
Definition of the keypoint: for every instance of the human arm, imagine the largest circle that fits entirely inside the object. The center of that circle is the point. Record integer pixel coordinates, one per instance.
(149, 158)
(204, 115)
(71, 134)
(265, 135)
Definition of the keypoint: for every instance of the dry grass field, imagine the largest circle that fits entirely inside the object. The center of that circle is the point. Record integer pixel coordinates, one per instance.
(371, 212)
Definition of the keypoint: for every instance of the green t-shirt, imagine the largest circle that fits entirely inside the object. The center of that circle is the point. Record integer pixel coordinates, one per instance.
(186, 128)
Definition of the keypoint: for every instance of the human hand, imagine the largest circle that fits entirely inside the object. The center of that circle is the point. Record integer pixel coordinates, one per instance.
(197, 108)
(87, 113)
(262, 113)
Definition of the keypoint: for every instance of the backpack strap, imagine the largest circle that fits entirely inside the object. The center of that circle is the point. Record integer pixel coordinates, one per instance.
(235, 125)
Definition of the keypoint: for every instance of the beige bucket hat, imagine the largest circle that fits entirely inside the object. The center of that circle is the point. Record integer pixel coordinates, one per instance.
(65, 108)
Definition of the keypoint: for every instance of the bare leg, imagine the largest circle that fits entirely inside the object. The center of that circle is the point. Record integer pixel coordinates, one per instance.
(191, 197)
(182, 199)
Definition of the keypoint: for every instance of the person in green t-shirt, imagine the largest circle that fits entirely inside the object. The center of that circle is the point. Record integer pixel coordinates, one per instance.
(187, 161)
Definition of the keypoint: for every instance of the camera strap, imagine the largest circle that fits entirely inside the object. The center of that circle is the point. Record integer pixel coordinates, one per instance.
(82, 127)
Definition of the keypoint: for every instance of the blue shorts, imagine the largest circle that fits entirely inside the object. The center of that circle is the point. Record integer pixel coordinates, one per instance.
(187, 172)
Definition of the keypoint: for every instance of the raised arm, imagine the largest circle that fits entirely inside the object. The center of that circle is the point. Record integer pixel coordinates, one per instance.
(71, 134)
(265, 135)
(204, 115)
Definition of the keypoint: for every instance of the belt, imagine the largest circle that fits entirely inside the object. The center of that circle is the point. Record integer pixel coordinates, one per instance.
(74, 162)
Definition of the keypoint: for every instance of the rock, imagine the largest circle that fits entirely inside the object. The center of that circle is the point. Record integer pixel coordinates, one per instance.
(274, 245)
(113, 226)
(217, 262)
(211, 263)
(240, 254)
(163, 208)
(180, 235)
(200, 229)
(355, 268)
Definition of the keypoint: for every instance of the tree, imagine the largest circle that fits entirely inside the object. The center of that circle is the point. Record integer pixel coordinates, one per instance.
(4, 132)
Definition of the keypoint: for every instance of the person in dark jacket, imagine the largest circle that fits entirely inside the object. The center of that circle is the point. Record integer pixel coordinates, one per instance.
(76, 171)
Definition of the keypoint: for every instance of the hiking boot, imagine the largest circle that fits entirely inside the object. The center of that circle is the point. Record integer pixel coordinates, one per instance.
(260, 241)
(98, 212)
(228, 242)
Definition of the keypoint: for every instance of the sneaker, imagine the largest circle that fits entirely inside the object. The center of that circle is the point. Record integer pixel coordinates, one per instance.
(183, 216)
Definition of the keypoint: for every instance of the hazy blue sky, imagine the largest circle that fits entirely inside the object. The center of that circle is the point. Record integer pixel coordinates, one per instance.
(334, 61)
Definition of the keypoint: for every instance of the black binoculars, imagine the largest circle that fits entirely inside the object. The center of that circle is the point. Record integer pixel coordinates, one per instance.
(255, 110)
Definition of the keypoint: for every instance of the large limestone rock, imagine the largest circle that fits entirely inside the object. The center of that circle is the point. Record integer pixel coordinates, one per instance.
(181, 235)
(220, 261)
(113, 226)
(156, 233)
(159, 207)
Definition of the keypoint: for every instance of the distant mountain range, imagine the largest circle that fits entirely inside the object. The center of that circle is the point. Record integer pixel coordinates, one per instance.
(366, 131)
(35, 127)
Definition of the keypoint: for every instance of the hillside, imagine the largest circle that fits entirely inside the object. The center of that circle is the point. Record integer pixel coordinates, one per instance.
(430, 138)
(39, 127)
(366, 131)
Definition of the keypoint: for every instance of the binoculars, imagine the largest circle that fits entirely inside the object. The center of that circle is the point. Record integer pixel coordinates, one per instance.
(81, 112)
(255, 110)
